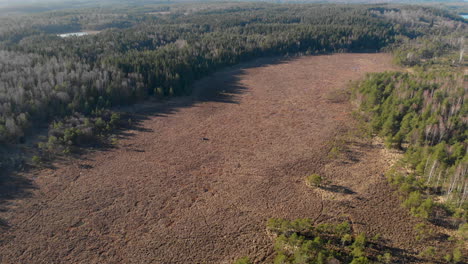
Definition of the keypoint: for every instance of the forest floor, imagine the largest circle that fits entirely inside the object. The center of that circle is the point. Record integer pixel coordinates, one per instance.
(197, 178)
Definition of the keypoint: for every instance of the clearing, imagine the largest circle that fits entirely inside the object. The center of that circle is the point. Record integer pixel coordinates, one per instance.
(197, 179)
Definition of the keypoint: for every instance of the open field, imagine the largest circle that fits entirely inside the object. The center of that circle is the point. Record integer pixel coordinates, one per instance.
(198, 177)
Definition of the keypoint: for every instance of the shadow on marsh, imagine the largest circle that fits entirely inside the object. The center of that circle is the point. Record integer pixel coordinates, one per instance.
(398, 255)
(338, 189)
(221, 87)
(12, 186)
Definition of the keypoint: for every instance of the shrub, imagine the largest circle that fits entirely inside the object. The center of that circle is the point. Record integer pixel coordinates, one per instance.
(385, 258)
(425, 209)
(314, 180)
(36, 159)
(376, 237)
(343, 228)
(360, 260)
(281, 259)
(457, 255)
(286, 227)
(360, 241)
(346, 239)
(334, 152)
(417, 206)
(114, 120)
(460, 213)
(300, 242)
(359, 246)
(448, 258)
(463, 231)
(428, 252)
(414, 200)
(243, 260)
(423, 231)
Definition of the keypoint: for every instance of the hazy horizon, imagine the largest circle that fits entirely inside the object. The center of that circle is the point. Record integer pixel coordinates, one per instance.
(7, 7)
(19, 2)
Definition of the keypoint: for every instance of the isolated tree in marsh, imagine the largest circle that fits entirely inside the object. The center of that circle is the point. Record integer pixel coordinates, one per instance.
(314, 180)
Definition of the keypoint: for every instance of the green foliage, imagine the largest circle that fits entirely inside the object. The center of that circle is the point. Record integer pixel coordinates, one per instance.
(301, 242)
(457, 255)
(359, 247)
(414, 200)
(418, 206)
(281, 259)
(385, 258)
(421, 113)
(346, 239)
(334, 152)
(243, 260)
(376, 237)
(425, 51)
(78, 131)
(460, 212)
(343, 228)
(423, 231)
(36, 160)
(360, 260)
(463, 231)
(424, 210)
(428, 252)
(314, 180)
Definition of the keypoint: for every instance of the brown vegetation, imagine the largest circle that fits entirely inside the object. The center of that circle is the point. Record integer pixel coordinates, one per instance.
(197, 184)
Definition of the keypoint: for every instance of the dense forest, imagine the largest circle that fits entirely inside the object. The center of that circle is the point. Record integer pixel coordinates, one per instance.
(425, 114)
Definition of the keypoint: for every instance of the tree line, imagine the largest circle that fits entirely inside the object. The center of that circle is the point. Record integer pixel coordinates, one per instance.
(424, 113)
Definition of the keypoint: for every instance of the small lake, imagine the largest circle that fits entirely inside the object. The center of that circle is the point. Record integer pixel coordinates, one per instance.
(73, 34)
(465, 16)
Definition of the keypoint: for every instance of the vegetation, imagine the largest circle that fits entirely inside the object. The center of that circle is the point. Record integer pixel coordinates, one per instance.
(72, 86)
(244, 260)
(153, 50)
(423, 112)
(299, 241)
(314, 180)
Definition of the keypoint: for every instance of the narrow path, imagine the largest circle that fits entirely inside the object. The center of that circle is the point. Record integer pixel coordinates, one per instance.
(196, 184)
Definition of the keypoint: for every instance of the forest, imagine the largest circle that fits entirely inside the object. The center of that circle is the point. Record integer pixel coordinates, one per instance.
(423, 113)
